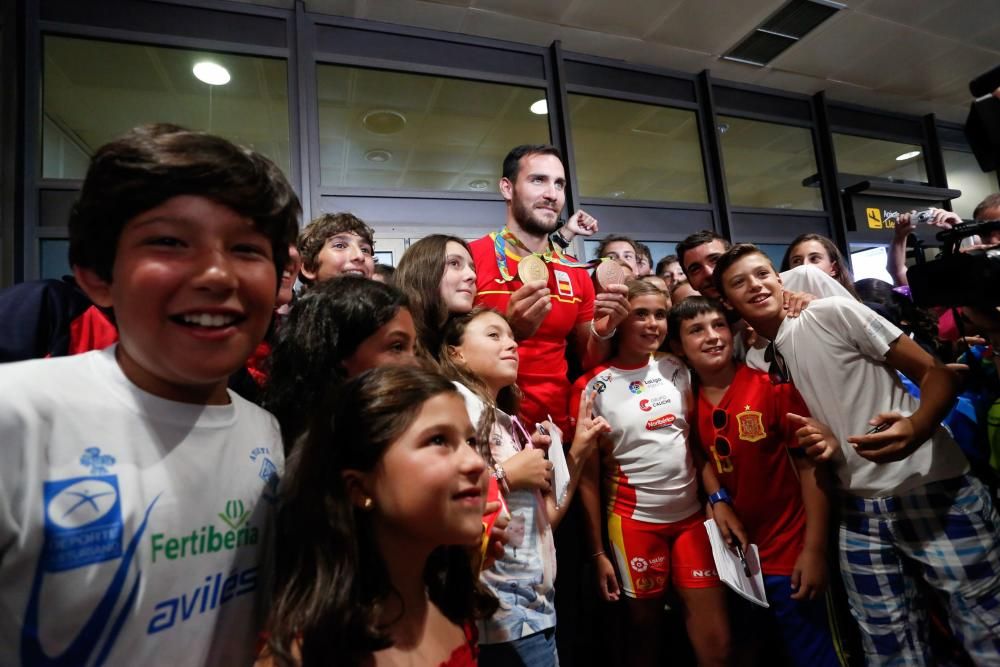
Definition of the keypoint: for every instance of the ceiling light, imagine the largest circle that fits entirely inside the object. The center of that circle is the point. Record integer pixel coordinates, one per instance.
(479, 184)
(540, 107)
(211, 73)
(723, 127)
(618, 194)
(907, 155)
(378, 155)
(384, 121)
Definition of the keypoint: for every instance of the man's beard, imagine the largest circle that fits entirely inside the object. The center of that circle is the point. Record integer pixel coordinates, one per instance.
(531, 223)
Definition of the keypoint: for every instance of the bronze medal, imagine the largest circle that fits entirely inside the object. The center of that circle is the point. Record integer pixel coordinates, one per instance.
(610, 272)
(532, 268)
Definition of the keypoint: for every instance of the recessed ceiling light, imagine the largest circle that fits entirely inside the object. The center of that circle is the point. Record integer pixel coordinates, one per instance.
(384, 121)
(723, 127)
(540, 107)
(907, 155)
(211, 73)
(479, 184)
(378, 155)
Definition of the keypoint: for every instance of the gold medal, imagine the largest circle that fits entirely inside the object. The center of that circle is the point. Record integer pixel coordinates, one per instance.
(610, 272)
(532, 268)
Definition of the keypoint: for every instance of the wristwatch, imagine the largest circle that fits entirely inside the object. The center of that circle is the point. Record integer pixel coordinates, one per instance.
(721, 496)
(501, 477)
(559, 239)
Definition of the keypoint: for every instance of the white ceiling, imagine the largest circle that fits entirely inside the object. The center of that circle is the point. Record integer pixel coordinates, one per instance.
(914, 56)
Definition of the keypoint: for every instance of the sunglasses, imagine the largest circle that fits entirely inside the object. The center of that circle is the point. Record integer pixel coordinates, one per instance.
(720, 418)
(777, 369)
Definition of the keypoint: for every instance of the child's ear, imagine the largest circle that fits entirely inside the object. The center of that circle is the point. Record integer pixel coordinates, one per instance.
(456, 354)
(95, 287)
(357, 489)
(307, 273)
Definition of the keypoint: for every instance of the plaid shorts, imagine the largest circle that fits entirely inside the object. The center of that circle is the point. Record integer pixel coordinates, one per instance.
(946, 533)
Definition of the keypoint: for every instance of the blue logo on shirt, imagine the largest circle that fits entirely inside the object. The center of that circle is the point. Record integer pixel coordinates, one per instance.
(83, 522)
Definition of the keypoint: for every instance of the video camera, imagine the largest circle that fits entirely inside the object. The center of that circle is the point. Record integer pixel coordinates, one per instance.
(957, 278)
(972, 277)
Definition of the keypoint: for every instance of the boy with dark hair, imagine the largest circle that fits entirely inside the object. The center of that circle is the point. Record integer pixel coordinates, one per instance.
(136, 492)
(909, 507)
(697, 255)
(669, 268)
(621, 248)
(747, 430)
(335, 244)
(643, 259)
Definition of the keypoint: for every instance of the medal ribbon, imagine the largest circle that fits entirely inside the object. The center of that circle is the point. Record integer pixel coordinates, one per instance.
(551, 256)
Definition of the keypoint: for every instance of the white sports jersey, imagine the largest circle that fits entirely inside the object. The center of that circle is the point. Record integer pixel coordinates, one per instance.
(648, 473)
(133, 530)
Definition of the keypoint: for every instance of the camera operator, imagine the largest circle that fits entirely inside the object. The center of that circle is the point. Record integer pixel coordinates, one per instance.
(988, 209)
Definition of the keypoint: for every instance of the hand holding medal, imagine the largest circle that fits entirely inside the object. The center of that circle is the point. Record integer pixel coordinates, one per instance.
(611, 302)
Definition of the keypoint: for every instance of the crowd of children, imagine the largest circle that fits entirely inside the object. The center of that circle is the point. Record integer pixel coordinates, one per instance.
(215, 471)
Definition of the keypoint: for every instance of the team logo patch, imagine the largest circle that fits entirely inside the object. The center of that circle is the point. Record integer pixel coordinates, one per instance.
(563, 284)
(751, 425)
(639, 564)
(600, 387)
(660, 422)
(83, 522)
(644, 405)
(637, 387)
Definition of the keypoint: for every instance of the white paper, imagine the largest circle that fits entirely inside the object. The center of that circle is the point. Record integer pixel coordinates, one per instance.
(730, 567)
(560, 469)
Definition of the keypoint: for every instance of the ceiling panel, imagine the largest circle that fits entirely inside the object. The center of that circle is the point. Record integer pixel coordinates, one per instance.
(711, 25)
(826, 48)
(638, 19)
(550, 10)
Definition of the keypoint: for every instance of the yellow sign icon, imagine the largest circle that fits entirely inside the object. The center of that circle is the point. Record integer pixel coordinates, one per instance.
(874, 218)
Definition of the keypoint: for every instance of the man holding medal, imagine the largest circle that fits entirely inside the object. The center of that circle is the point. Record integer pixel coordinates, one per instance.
(546, 295)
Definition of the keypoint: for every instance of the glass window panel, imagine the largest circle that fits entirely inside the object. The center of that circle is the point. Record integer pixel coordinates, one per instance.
(627, 150)
(381, 129)
(766, 164)
(54, 258)
(94, 91)
(964, 174)
(862, 156)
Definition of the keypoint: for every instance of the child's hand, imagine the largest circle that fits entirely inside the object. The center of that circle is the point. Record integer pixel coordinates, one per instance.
(815, 437)
(809, 577)
(796, 302)
(730, 525)
(529, 469)
(588, 427)
(607, 580)
(498, 535)
(896, 439)
(541, 440)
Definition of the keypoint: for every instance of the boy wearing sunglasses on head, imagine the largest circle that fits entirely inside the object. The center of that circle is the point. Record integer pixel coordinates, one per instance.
(739, 421)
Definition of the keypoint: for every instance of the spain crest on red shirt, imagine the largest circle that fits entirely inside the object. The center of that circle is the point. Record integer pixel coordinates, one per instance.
(751, 425)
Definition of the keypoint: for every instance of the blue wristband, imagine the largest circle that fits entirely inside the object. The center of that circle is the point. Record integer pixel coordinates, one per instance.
(721, 496)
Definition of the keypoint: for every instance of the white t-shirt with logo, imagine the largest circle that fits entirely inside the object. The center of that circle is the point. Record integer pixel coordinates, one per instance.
(648, 473)
(133, 530)
(835, 351)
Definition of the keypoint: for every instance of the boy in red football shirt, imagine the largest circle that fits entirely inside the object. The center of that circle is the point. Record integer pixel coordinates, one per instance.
(740, 422)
